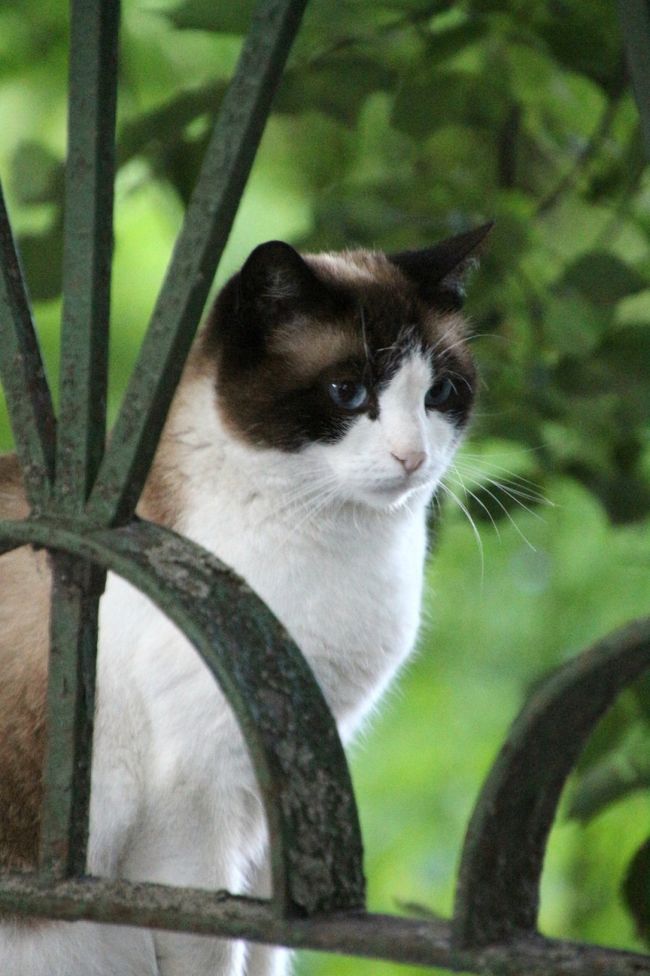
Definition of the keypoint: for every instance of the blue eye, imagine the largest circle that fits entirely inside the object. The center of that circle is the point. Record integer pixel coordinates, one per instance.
(348, 394)
(439, 393)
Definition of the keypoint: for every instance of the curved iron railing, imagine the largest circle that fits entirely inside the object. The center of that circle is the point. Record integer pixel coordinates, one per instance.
(83, 500)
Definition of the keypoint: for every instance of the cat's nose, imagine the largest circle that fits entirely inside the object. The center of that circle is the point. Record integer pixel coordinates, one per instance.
(410, 460)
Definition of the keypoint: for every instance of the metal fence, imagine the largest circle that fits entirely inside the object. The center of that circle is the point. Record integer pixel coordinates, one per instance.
(83, 497)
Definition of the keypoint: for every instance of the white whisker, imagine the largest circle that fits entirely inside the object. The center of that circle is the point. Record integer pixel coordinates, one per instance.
(514, 491)
(476, 498)
(465, 511)
(510, 518)
(479, 462)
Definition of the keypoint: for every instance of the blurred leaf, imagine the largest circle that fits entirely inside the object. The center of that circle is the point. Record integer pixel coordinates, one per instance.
(36, 174)
(636, 891)
(603, 278)
(337, 86)
(446, 43)
(634, 310)
(163, 127)
(641, 691)
(584, 37)
(608, 782)
(623, 362)
(573, 324)
(611, 735)
(434, 98)
(42, 257)
(227, 18)
(531, 73)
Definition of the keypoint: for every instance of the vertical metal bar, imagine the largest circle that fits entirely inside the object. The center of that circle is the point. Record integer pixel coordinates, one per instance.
(80, 445)
(71, 704)
(88, 237)
(635, 22)
(23, 374)
(207, 224)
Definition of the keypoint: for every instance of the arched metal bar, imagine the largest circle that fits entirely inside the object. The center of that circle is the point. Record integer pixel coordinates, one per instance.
(316, 849)
(498, 886)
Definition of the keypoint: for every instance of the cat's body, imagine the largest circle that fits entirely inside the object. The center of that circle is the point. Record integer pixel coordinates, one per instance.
(301, 451)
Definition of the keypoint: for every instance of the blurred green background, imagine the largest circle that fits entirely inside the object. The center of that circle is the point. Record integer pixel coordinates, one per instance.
(401, 121)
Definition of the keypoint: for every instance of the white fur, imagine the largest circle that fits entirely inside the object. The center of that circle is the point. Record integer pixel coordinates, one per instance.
(333, 539)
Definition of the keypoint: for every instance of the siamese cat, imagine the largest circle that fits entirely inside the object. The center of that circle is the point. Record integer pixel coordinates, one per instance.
(320, 407)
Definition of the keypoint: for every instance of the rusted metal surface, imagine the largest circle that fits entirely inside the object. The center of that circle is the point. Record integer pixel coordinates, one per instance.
(291, 736)
(77, 586)
(23, 376)
(498, 886)
(292, 739)
(87, 250)
(405, 940)
(315, 833)
(207, 224)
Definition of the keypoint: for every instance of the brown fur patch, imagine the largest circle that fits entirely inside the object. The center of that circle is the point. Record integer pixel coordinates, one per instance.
(447, 333)
(163, 499)
(311, 348)
(24, 642)
(25, 586)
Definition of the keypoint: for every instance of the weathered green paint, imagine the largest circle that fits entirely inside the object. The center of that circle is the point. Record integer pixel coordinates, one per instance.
(87, 254)
(88, 231)
(205, 231)
(23, 375)
(292, 738)
(498, 886)
(405, 940)
(635, 21)
(77, 586)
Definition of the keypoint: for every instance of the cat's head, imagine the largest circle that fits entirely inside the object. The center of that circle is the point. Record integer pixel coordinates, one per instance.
(355, 364)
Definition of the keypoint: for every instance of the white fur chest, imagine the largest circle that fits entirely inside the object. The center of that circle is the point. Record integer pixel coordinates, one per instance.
(346, 582)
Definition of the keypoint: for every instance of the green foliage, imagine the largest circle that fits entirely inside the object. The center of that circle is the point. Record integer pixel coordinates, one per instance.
(400, 121)
(636, 890)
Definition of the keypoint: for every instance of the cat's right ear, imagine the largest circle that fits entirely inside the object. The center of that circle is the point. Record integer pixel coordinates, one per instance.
(276, 281)
(439, 272)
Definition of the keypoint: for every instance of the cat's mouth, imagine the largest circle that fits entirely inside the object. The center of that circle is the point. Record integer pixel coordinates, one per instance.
(392, 492)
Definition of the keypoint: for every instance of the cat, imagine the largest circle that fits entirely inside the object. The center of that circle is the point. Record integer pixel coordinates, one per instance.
(321, 405)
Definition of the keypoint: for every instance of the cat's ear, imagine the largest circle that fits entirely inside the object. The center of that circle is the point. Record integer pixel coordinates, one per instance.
(276, 280)
(439, 271)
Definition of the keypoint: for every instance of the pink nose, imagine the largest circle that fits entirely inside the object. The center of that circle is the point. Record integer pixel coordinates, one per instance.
(411, 460)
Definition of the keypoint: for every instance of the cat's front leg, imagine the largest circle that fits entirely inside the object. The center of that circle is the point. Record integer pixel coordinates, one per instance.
(197, 955)
(192, 840)
(263, 960)
(184, 954)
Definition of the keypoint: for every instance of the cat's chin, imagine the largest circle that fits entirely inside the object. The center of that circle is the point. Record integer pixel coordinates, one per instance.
(393, 498)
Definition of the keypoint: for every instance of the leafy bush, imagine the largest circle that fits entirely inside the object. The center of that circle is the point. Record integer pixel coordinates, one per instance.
(398, 122)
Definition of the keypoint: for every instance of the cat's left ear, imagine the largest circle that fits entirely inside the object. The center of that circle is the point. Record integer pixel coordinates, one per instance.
(439, 271)
(277, 280)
